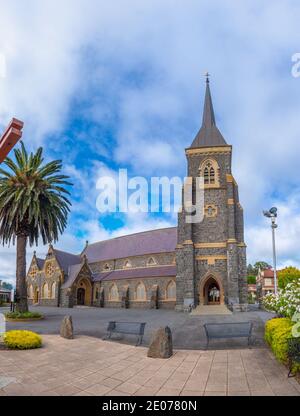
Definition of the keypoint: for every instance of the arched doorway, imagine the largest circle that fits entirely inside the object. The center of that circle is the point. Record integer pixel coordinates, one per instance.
(211, 291)
(84, 292)
(80, 296)
(36, 297)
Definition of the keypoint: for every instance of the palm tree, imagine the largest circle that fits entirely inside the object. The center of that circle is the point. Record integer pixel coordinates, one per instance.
(33, 204)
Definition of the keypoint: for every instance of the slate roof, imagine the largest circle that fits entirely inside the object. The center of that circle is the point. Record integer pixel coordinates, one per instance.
(268, 273)
(155, 241)
(66, 259)
(72, 274)
(209, 134)
(40, 263)
(154, 271)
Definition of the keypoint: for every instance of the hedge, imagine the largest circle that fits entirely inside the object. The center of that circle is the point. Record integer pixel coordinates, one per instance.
(277, 332)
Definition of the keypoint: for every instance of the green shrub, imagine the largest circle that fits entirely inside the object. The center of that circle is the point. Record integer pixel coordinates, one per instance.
(25, 315)
(277, 332)
(22, 340)
(251, 280)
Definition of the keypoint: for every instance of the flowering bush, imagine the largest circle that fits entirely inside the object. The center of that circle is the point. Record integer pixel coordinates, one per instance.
(286, 302)
(296, 326)
(22, 340)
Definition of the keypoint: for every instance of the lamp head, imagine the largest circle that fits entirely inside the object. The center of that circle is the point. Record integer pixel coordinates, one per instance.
(267, 214)
(273, 211)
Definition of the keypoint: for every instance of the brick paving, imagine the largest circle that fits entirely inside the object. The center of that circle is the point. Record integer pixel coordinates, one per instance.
(89, 366)
(187, 330)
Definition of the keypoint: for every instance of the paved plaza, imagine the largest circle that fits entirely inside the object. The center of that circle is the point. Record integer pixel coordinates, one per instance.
(90, 366)
(187, 330)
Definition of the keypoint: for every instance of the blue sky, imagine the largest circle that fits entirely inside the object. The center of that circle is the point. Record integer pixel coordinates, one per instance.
(108, 85)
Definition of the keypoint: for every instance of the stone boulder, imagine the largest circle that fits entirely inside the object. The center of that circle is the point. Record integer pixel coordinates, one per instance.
(161, 345)
(66, 328)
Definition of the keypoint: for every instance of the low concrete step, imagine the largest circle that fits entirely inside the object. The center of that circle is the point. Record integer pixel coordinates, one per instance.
(211, 310)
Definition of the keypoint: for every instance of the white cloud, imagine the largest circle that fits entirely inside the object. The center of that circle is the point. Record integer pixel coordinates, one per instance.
(287, 234)
(135, 223)
(137, 67)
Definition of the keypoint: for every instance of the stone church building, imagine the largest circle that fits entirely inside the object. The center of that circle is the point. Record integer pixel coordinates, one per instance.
(201, 263)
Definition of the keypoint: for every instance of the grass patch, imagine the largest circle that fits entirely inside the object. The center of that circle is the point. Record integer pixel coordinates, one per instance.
(25, 315)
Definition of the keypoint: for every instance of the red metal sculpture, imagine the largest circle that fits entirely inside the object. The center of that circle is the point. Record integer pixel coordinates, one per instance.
(10, 137)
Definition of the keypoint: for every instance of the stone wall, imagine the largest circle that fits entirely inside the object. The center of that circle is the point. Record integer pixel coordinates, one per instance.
(132, 284)
(136, 261)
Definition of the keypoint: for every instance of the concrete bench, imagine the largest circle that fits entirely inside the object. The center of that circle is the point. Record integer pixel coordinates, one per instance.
(228, 330)
(131, 328)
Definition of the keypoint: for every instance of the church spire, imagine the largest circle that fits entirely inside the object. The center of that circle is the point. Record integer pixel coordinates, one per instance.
(208, 112)
(209, 134)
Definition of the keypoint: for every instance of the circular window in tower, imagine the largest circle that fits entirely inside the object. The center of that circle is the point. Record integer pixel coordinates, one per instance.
(210, 210)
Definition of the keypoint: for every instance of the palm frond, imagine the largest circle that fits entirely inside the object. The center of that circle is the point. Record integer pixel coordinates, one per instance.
(32, 198)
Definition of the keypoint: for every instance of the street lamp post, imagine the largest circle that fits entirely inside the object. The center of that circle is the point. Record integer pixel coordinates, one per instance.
(272, 213)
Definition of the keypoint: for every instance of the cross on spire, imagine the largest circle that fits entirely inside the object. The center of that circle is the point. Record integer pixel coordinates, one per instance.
(207, 75)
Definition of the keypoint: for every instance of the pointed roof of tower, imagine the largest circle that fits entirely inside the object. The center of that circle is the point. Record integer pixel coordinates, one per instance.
(209, 134)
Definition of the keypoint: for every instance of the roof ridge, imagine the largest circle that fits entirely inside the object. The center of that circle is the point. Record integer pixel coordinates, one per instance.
(66, 252)
(127, 235)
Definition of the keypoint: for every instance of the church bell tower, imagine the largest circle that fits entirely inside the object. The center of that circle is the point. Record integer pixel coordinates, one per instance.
(211, 254)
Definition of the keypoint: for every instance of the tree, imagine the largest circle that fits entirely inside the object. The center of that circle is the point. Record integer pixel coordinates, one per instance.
(287, 275)
(251, 280)
(250, 270)
(253, 270)
(33, 205)
(261, 265)
(7, 286)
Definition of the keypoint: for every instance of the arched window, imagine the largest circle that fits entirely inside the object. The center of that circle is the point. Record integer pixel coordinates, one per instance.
(127, 264)
(212, 175)
(140, 292)
(171, 290)
(209, 171)
(52, 290)
(30, 292)
(45, 291)
(206, 175)
(151, 262)
(113, 293)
